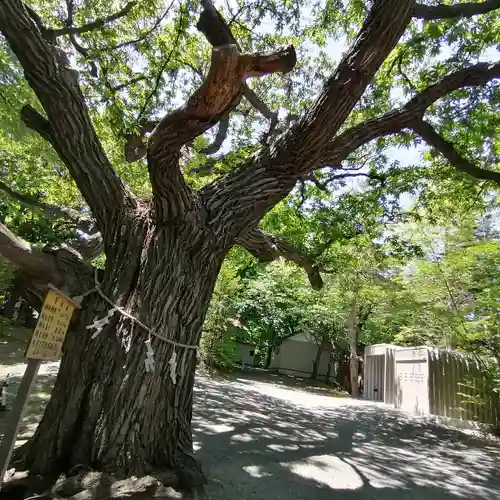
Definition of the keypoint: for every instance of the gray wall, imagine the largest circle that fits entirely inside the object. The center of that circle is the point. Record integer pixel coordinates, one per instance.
(297, 358)
(244, 355)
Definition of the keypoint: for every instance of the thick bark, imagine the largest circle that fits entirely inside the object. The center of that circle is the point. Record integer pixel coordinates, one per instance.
(162, 261)
(89, 248)
(220, 92)
(240, 199)
(105, 409)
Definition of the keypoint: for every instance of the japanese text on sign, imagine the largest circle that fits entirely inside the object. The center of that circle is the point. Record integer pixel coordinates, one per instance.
(48, 337)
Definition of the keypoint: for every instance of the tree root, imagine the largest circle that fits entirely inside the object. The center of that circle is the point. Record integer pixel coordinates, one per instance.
(89, 485)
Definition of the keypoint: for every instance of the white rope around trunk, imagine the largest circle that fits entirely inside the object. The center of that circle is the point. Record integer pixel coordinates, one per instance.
(99, 324)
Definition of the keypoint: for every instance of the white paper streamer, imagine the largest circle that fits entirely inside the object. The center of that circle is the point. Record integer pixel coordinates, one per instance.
(99, 324)
(149, 362)
(173, 367)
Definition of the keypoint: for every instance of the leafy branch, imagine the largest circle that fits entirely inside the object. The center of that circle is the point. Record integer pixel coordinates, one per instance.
(425, 130)
(406, 116)
(94, 25)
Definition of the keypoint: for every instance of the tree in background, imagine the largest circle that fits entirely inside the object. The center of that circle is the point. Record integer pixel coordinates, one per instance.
(90, 90)
(217, 345)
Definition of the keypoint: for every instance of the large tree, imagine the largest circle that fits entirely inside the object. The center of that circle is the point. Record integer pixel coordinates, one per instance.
(163, 254)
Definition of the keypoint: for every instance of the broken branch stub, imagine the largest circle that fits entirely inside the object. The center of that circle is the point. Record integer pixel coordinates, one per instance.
(282, 60)
(221, 91)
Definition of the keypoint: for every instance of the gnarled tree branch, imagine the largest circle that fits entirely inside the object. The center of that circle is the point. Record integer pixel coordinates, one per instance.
(135, 149)
(446, 148)
(141, 37)
(466, 9)
(36, 122)
(381, 31)
(51, 211)
(267, 248)
(128, 83)
(214, 27)
(94, 25)
(220, 92)
(323, 185)
(68, 126)
(399, 119)
(89, 244)
(218, 32)
(269, 175)
(219, 138)
(89, 248)
(35, 263)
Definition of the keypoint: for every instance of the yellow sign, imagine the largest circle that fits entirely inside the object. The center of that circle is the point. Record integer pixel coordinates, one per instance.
(53, 322)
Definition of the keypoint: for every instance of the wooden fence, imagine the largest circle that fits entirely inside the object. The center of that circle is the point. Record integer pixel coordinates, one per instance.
(458, 388)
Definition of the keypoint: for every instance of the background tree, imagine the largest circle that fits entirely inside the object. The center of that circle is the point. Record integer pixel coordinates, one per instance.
(85, 88)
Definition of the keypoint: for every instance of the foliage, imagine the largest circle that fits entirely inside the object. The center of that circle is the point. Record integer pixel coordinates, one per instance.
(483, 390)
(217, 346)
(6, 274)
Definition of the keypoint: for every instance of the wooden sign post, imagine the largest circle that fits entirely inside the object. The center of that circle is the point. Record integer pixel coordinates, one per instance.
(45, 345)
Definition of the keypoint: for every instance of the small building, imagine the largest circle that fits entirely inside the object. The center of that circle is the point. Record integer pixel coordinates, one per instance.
(296, 356)
(245, 352)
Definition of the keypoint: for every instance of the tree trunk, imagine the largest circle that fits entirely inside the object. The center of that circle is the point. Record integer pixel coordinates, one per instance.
(269, 357)
(105, 410)
(353, 359)
(319, 352)
(354, 369)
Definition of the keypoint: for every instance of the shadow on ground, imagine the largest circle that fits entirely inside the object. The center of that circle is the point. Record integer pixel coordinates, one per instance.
(36, 403)
(288, 381)
(12, 351)
(259, 441)
(266, 439)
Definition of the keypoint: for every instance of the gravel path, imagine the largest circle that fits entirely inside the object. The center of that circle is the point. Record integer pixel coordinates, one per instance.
(261, 440)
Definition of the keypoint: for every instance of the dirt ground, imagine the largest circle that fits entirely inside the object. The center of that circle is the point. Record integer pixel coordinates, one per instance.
(263, 437)
(12, 362)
